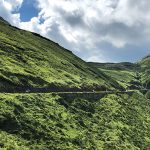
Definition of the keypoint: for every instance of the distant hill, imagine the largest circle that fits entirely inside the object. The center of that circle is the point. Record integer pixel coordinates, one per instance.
(145, 69)
(68, 121)
(31, 62)
(116, 66)
(129, 75)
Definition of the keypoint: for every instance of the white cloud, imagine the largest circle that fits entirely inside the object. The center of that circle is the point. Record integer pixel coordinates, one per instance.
(109, 20)
(33, 25)
(84, 26)
(6, 9)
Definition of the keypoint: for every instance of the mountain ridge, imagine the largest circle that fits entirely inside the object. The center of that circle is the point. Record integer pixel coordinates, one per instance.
(31, 62)
(3, 20)
(129, 75)
(108, 120)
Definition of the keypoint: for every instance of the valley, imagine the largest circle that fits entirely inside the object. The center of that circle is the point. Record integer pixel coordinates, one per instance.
(50, 99)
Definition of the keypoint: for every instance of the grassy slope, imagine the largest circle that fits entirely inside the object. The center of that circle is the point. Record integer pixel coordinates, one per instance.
(125, 73)
(145, 69)
(128, 74)
(29, 61)
(123, 77)
(45, 121)
(116, 66)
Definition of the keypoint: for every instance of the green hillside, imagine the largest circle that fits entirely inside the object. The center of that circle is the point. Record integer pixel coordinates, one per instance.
(50, 122)
(129, 75)
(34, 118)
(126, 74)
(31, 62)
(123, 66)
(145, 69)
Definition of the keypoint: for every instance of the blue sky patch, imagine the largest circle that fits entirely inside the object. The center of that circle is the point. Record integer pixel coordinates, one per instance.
(28, 10)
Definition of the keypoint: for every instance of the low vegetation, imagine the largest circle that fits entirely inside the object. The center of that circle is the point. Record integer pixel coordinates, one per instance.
(129, 75)
(145, 69)
(31, 62)
(52, 121)
(46, 121)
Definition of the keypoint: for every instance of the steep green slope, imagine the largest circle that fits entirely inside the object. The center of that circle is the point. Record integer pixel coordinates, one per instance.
(129, 75)
(126, 74)
(123, 77)
(45, 121)
(145, 69)
(49, 121)
(29, 61)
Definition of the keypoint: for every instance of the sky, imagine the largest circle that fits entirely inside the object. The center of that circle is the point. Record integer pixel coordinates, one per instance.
(95, 30)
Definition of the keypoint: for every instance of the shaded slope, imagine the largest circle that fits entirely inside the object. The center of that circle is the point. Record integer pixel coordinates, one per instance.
(29, 61)
(45, 121)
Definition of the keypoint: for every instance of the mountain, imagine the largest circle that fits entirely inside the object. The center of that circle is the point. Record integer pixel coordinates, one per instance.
(126, 74)
(145, 69)
(4, 21)
(116, 66)
(30, 62)
(33, 120)
(129, 75)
